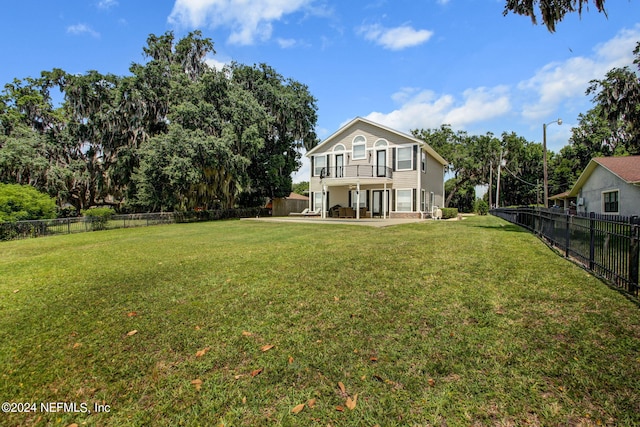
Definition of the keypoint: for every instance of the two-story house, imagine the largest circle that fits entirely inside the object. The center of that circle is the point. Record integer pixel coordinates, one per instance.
(371, 170)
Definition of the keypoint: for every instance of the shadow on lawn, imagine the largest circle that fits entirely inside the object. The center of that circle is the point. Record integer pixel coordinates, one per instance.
(504, 227)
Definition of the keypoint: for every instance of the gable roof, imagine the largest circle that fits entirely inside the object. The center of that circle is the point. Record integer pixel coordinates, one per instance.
(296, 196)
(627, 168)
(423, 144)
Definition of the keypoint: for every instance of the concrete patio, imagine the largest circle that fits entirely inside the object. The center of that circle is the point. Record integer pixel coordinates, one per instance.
(371, 222)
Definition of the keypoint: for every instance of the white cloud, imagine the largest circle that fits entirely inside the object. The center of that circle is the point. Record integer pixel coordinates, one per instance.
(424, 109)
(107, 4)
(80, 29)
(249, 21)
(480, 104)
(554, 90)
(557, 82)
(394, 38)
(291, 43)
(214, 63)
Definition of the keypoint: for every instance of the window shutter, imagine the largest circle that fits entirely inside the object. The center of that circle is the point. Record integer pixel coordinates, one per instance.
(349, 198)
(393, 200)
(415, 199)
(415, 157)
(313, 171)
(393, 158)
(313, 199)
(328, 204)
(328, 172)
(367, 205)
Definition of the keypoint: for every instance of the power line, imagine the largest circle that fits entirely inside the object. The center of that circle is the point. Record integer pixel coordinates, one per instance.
(519, 179)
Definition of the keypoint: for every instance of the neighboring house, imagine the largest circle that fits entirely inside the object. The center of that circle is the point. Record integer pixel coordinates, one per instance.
(563, 201)
(609, 185)
(373, 171)
(283, 206)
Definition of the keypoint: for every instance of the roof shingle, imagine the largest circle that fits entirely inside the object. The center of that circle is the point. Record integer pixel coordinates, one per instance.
(627, 168)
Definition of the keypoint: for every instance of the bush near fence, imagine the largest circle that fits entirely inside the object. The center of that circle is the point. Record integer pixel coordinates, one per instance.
(607, 245)
(40, 228)
(448, 213)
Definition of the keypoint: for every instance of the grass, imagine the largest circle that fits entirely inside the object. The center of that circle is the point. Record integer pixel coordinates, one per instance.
(443, 323)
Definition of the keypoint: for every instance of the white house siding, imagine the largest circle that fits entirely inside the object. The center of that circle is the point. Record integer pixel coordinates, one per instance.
(601, 180)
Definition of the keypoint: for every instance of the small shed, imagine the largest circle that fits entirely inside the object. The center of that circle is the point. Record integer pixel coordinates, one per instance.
(294, 202)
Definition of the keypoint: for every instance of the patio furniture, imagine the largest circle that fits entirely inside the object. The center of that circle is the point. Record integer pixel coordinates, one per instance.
(304, 212)
(314, 212)
(347, 212)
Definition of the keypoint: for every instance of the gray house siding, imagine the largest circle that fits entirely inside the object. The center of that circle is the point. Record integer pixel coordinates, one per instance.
(591, 196)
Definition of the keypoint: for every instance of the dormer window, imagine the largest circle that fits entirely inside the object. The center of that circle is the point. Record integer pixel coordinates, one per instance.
(359, 148)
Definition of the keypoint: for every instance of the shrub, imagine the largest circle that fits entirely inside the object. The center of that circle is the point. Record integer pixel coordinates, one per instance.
(449, 213)
(23, 202)
(67, 212)
(481, 207)
(98, 217)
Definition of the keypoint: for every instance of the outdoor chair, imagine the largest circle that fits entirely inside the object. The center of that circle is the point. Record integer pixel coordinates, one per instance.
(313, 213)
(304, 212)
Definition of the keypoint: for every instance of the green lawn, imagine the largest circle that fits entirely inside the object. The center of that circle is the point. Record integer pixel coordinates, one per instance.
(458, 323)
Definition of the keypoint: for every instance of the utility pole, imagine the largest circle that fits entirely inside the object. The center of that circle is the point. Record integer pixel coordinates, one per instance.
(490, 183)
(544, 160)
(498, 185)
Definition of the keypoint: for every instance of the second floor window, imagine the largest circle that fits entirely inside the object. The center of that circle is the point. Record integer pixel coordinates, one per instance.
(405, 158)
(320, 162)
(359, 148)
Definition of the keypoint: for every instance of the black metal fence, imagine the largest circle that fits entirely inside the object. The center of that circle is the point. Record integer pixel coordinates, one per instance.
(50, 227)
(605, 244)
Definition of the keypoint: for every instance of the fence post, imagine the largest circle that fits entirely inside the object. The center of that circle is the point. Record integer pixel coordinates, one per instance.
(68, 225)
(567, 234)
(592, 240)
(634, 255)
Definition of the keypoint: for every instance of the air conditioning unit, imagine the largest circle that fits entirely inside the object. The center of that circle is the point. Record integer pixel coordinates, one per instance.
(580, 201)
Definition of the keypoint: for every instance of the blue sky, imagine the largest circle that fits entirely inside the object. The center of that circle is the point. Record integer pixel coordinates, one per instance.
(404, 63)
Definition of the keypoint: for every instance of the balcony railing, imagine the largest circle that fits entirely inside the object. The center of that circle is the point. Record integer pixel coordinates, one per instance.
(357, 171)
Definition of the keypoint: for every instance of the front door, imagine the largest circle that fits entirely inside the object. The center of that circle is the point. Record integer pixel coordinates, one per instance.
(381, 163)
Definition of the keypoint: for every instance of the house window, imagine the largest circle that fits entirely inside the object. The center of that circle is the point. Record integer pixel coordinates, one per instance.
(354, 198)
(610, 200)
(423, 200)
(404, 158)
(424, 162)
(403, 200)
(381, 143)
(320, 163)
(359, 148)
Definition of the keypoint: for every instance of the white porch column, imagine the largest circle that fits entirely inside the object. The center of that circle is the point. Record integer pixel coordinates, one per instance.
(323, 215)
(358, 200)
(384, 202)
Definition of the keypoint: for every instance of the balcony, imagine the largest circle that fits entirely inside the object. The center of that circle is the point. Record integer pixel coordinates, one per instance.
(356, 171)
